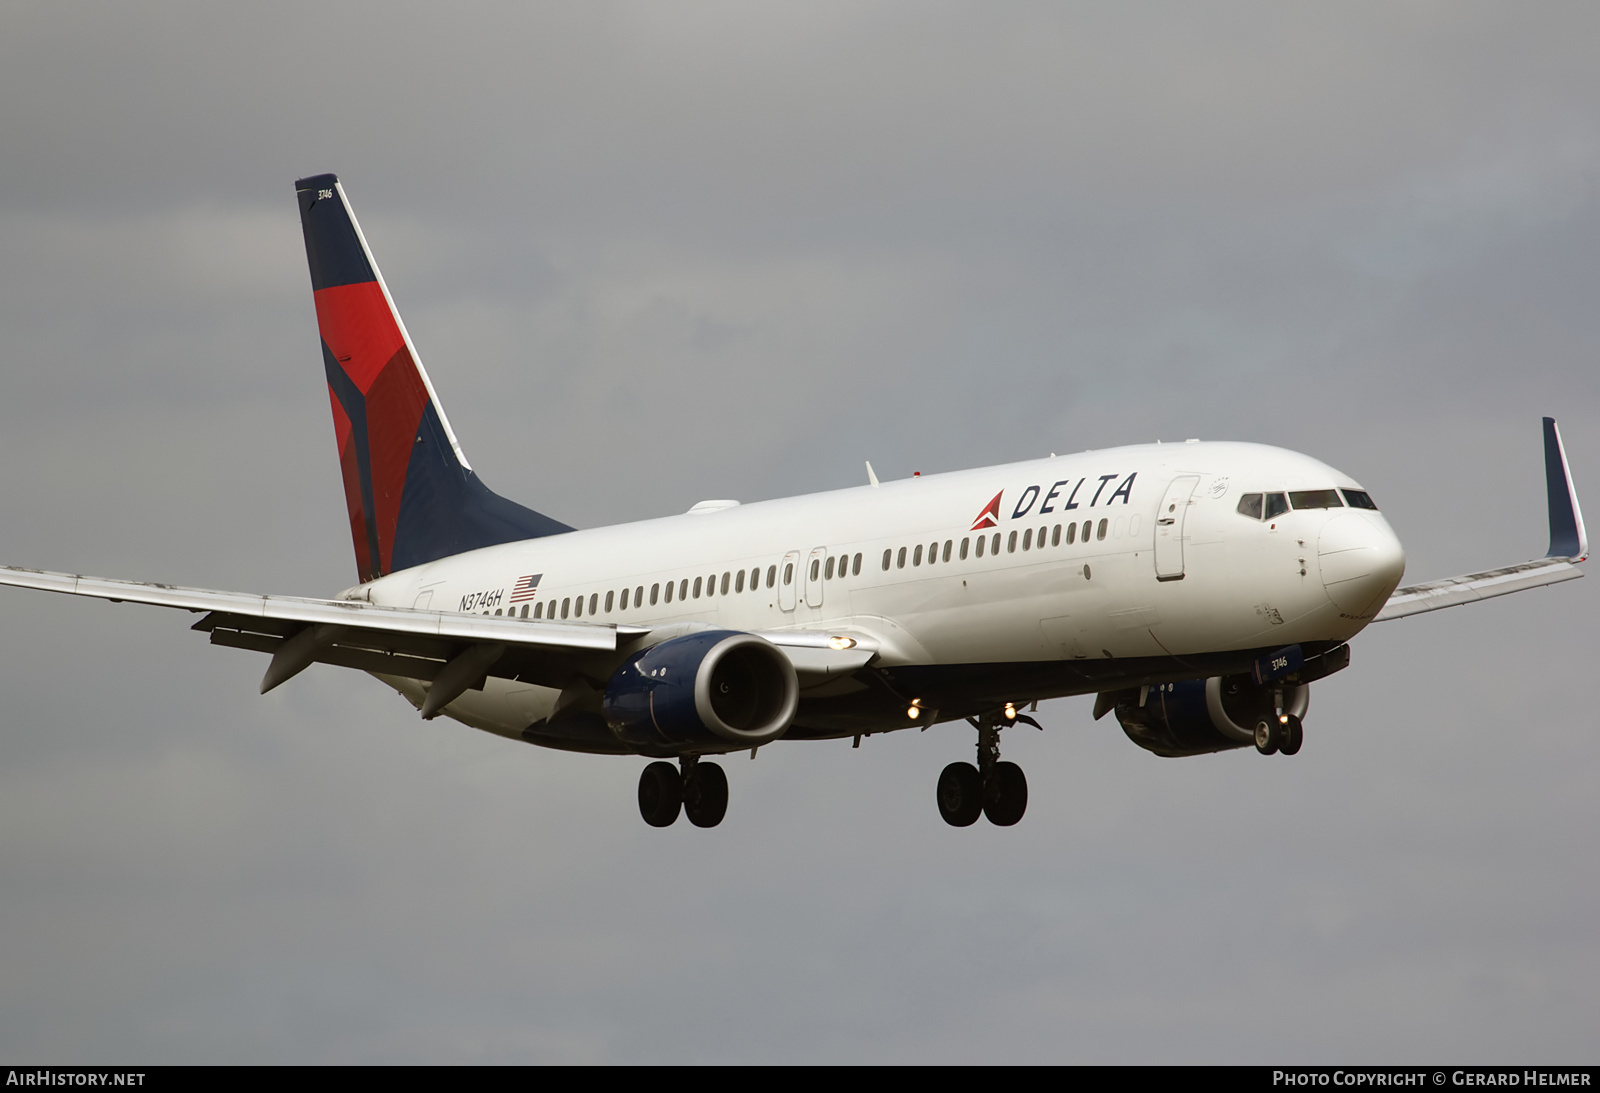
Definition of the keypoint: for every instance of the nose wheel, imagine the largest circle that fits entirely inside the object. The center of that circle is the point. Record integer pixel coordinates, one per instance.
(996, 789)
(1283, 733)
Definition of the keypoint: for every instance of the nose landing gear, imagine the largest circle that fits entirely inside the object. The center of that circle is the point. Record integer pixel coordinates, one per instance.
(997, 789)
(1281, 733)
(700, 790)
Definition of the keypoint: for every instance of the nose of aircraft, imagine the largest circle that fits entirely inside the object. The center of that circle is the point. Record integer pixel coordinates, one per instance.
(1361, 562)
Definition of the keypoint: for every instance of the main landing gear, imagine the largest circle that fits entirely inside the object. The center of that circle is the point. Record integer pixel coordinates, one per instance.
(997, 789)
(699, 789)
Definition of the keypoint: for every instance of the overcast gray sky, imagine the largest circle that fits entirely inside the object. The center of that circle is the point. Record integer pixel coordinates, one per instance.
(653, 253)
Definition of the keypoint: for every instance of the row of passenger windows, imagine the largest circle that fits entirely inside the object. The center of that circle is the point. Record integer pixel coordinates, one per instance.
(1265, 506)
(1030, 540)
(837, 566)
(732, 582)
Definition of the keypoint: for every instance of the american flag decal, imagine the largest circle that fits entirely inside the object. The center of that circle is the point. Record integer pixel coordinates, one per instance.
(526, 588)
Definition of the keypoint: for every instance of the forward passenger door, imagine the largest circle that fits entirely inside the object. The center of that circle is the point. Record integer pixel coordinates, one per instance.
(1169, 527)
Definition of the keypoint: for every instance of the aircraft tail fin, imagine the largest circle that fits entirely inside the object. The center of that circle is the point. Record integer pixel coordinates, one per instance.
(411, 494)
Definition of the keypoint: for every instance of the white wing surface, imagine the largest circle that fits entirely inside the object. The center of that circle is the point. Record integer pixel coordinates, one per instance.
(1569, 544)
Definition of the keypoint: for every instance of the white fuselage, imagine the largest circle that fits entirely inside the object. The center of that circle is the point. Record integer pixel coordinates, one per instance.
(1084, 568)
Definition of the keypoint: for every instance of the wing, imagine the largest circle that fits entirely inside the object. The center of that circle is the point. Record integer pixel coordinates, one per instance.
(444, 648)
(1569, 544)
(451, 651)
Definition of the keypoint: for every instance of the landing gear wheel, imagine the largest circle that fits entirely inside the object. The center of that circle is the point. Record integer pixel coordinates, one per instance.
(1269, 735)
(1294, 734)
(1008, 795)
(960, 795)
(661, 794)
(705, 794)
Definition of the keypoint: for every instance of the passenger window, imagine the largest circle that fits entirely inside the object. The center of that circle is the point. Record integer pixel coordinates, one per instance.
(1277, 505)
(948, 544)
(788, 573)
(1250, 505)
(624, 605)
(654, 589)
(755, 578)
(983, 541)
(886, 559)
(683, 589)
(828, 573)
(1027, 539)
(900, 559)
(577, 607)
(1100, 532)
(994, 544)
(1088, 526)
(671, 588)
(1041, 537)
(1072, 534)
(697, 588)
(855, 566)
(1011, 543)
(564, 602)
(594, 601)
(1315, 499)
(1359, 499)
(933, 553)
(772, 576)
(497, 611)
(815, 565)
(726, 577)
(538, 610)
(916, 555)
(963, 550)
(738, 582)
(638, 597)
(609, 596)
(1055, 536)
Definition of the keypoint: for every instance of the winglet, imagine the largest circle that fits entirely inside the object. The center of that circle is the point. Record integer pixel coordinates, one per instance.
(1567, 537)
(872, 475)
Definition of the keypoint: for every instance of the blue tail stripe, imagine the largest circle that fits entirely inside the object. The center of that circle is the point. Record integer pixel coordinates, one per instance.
(333, 249)
(354, 405)
(446, 508)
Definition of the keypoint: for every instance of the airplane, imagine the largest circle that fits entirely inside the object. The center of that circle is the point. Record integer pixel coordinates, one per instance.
(1197, 589)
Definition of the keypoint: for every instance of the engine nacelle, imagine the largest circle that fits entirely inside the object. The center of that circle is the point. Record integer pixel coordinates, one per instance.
(713, 687)
(1203, 715)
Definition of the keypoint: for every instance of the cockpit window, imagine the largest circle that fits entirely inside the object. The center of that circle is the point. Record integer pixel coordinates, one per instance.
(1250, 505)
(1277, 505)
(1359, 499)
(1315, 499)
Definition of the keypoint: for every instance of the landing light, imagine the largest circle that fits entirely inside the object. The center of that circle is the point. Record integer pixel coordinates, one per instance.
(1011, 711)
(839, 641)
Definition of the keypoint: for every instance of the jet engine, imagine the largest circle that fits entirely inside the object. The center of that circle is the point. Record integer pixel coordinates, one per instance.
(1197, 716)
(713, 687)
